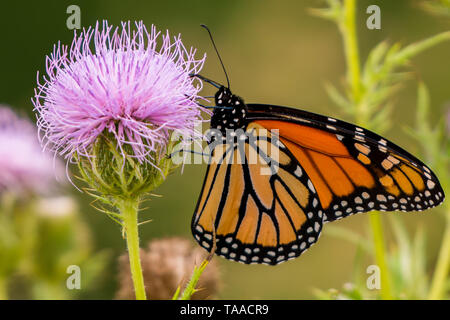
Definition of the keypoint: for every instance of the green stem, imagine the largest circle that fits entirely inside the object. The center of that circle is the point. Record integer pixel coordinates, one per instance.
(439, 281)
(192, 284)
(348, 31)
(347, 27)
(417, 47)
(380, 255)
(129, 211)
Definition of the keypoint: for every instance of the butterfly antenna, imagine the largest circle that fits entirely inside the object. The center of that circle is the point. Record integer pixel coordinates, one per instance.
(218, 55)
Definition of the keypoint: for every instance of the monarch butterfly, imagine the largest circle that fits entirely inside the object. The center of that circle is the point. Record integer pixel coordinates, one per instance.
(327, 169)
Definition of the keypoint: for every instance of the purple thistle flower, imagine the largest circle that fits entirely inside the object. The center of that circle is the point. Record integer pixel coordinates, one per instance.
(117, 80)
(23, 165)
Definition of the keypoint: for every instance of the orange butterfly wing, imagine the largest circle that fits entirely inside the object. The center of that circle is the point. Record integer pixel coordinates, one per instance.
(352, 169)
(263, 211)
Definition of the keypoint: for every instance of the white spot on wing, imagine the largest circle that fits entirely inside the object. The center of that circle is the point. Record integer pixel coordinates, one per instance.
(316, 227)
(311, 186)
(360, 138)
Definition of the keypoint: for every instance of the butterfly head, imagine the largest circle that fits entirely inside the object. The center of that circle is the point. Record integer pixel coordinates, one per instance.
(230, 111)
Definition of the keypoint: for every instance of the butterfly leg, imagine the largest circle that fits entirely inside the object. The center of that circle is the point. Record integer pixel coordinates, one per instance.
(214, 107)
(187, 150)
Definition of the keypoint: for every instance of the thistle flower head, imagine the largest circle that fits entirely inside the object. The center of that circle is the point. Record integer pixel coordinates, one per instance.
(23, 165)
(111, 101)
(121, 82)
(166, 264)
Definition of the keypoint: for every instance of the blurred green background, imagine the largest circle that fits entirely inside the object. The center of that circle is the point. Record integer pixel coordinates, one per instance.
(275, 52)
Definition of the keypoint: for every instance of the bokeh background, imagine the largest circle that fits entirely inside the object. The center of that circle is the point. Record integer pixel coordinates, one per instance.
(275, 52)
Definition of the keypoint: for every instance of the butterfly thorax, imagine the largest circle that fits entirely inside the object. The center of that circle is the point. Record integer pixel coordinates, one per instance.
(230, 111)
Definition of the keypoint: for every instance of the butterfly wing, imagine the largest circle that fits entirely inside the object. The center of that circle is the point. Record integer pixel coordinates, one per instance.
(261, 208)
(353, 169)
